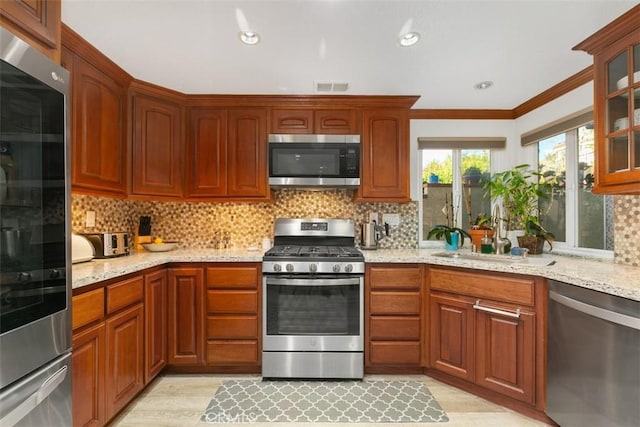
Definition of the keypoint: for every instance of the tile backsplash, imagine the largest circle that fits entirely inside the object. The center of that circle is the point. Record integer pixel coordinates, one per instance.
(199, 225)
(195, 224)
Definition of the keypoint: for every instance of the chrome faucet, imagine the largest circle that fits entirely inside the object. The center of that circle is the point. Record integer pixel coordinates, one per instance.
(499, 243)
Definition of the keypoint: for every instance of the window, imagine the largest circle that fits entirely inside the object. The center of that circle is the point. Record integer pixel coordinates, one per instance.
(451, 188)
(579, 219)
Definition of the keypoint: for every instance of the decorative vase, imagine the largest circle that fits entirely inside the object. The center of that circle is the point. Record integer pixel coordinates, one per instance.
(455, 238)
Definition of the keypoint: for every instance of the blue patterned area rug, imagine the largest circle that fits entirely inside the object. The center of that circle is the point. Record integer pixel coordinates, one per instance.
(249, 401)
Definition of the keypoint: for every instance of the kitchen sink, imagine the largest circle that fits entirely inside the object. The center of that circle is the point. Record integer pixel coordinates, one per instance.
(500, 259)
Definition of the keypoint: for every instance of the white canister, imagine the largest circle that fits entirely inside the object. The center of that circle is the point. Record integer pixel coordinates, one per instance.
(266, 244)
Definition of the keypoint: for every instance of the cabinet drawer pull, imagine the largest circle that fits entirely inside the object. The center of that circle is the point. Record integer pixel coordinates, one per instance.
(477, 306)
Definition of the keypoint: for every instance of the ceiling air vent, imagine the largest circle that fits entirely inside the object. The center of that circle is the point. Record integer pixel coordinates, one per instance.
(332, 86)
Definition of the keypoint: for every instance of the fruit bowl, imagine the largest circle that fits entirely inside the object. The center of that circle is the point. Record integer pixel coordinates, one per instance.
(160, 247)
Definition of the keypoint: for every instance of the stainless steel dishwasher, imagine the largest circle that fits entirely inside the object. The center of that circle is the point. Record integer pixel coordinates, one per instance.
(593, 358)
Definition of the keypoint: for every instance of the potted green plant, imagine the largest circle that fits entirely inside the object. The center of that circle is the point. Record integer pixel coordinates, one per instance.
(480, 226)
(520, 189)
(453, 235)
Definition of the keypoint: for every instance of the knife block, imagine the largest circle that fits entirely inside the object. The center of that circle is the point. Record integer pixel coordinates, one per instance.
(139, 240)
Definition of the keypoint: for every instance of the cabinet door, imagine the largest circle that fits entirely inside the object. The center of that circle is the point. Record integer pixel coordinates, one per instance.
(207, 152)
(98, 130)
(157, 147)
(505, 353)
(186, 316)
(88, 376)
(291, 121)
(385, 156)
(335, 122)
(452, 336)
(125, 358)
(155, 323)
(36, 21)
(247, 153)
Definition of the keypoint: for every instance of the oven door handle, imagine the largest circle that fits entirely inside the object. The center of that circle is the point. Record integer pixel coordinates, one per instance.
(317, 281)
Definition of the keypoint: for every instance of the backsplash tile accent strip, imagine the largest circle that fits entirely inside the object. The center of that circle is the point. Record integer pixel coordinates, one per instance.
(200, 225)
(626, 223)
(195, 224)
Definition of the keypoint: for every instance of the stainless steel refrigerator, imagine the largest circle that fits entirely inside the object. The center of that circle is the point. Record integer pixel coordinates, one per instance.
(35, 288)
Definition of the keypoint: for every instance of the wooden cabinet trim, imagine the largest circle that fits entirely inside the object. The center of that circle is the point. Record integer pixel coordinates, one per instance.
(125, 293)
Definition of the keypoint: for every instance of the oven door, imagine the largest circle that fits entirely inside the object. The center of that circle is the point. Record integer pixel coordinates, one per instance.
(313, 313)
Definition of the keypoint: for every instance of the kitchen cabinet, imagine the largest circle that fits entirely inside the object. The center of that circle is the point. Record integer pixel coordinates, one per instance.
(385, 156)
(88, 359)
(125, 344)
(233, 322)
(485, 329)
(98, 119)
(155, 323)
(309, 121)
(616, 64)
(247, 153)
(186, 316)
(35, 21)
(393, 332)
(226, 154)
(157, 142)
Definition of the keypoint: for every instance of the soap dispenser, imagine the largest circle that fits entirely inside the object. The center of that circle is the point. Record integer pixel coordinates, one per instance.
(486, 244)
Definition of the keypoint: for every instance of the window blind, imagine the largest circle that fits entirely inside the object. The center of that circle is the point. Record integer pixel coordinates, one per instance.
(463, 143)
(557, 127)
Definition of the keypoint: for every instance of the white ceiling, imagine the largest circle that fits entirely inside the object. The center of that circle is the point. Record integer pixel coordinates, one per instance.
(192, 46)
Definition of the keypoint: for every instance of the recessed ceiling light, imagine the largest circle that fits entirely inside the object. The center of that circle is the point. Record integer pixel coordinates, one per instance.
(249, 37)
(409, 39)
(484, 85)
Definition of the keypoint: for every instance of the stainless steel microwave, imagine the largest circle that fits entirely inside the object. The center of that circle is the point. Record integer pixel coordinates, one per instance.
(314, 160)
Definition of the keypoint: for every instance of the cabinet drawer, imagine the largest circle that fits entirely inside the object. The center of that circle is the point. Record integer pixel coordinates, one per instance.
(232, 277)
(122, 294)
(395, 278)
(394, 328)
(232, 352)
(232, 327)
(499, 288)
(232, 301)
(394, 303)
(87, 308)
(394, 353)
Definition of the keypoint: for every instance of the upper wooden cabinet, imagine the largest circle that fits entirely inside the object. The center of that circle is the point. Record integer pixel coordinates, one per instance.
(227, 154)
(156, 142)
(616, 56)
(98, 118)
(35, 21)
(314, 121)
(385, 156)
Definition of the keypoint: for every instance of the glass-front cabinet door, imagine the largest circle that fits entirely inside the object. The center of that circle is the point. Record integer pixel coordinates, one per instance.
(616, 70)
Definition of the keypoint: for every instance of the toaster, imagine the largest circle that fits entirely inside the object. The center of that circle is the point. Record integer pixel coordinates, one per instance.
(107, 245)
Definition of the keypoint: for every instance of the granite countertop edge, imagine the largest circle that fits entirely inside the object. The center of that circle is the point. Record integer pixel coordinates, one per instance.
(607, 277)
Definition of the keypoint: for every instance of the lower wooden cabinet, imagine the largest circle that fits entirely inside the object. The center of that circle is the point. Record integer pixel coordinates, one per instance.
(155, 324)
(233, 322)
(394, 334)
(88, 376)
(125, 358)
(484, 329)
(186, 316)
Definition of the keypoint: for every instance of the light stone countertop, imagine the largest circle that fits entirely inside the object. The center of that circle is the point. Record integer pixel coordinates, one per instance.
(615, 279)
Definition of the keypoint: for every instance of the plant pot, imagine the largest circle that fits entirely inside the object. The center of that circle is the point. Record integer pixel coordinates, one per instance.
(477, 234)
(533, 243)
(455, 238)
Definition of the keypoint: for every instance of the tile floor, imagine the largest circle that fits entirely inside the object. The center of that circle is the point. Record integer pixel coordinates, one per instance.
(180, 401)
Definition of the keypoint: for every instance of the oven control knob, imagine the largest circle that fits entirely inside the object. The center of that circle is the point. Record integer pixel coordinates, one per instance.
(289, 268)
(348, 268)
(277, 268)
(336, 268)
(313, 268)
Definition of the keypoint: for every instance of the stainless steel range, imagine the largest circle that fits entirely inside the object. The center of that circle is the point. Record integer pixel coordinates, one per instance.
(313, 295)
